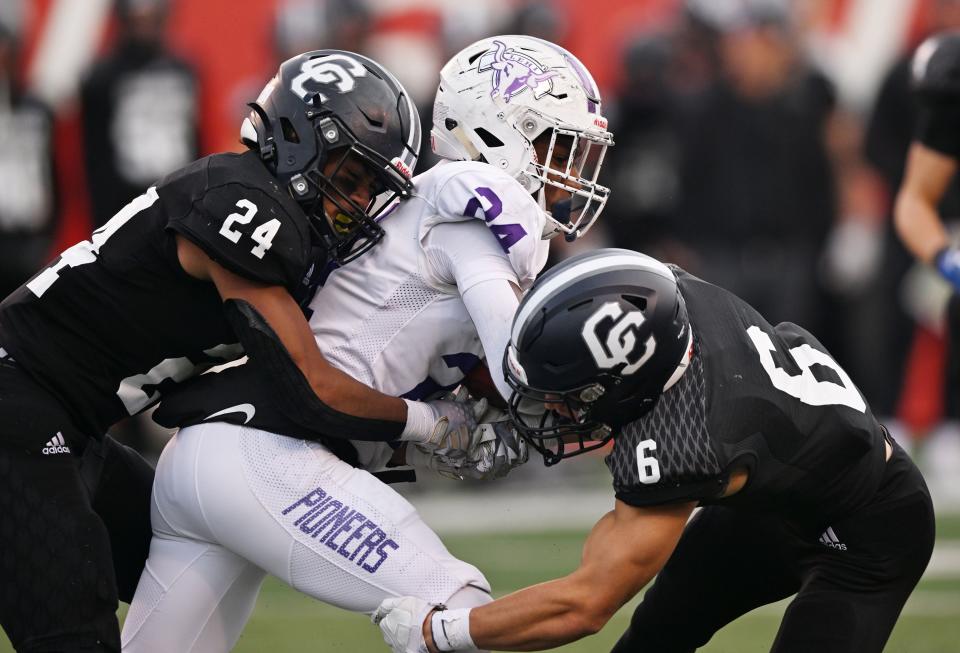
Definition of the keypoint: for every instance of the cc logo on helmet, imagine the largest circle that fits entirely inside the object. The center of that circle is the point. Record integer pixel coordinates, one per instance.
(326, 70)
(621, 341)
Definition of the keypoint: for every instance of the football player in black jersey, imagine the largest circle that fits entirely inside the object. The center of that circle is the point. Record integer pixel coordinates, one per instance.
(206, 266)
(934, 153)
(708, 405)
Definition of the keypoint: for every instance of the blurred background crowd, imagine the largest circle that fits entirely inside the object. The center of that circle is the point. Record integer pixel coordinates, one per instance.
(759, 143)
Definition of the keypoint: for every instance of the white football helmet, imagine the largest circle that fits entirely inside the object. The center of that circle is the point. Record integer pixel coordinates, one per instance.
(499, 95)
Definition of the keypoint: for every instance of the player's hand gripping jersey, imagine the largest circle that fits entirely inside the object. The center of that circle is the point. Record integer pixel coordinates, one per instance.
(762, 397)
(114, 321)
(415, 315)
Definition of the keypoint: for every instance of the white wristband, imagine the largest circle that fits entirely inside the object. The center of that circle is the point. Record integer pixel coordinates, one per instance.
(451, 630)
(420, 422)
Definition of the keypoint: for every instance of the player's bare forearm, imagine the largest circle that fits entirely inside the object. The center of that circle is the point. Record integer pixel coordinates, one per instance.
(915, 212)
(623, 553)
(335, 388)
(539, 617)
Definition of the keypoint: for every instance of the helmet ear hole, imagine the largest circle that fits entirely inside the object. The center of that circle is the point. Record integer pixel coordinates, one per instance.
(488, 139)
(289, 132)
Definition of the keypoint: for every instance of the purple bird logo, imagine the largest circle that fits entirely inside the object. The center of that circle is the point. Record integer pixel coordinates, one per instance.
(514, 72)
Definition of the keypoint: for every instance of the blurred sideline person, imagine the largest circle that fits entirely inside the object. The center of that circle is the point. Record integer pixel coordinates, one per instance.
(932, 160)
(29, 198)
(707, 404)
(929, 180)
(413, 318)
(140, 106)
(205, 266)
(757, 194)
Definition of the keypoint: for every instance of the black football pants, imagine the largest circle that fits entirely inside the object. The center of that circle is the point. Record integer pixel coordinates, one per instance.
(850, 581)
(74, 520)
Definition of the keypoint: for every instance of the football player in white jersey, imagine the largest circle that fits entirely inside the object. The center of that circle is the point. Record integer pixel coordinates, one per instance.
(520, 123)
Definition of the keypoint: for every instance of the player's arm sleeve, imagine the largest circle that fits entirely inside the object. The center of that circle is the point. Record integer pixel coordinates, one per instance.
(937, 128)
(468, 256)
(680, 469)
(672, 491)
(249, 233)
(508, 213)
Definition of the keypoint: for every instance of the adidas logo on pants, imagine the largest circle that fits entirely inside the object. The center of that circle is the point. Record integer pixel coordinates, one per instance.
(56, 444)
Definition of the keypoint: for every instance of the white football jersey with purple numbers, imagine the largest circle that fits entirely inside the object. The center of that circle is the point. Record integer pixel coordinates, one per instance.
(389, 318)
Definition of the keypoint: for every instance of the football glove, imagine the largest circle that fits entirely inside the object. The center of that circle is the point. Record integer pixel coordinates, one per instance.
(444, 462)
(495, 449)
(947, 262)
(447, 424)
(401, 623)
(498, 449)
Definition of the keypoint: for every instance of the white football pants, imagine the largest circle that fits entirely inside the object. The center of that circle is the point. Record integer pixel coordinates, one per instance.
(232, 504)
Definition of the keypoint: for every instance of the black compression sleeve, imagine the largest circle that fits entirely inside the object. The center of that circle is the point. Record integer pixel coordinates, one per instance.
(292, 392)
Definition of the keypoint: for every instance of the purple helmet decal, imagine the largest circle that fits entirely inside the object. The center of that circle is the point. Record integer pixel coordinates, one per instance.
(514, 72)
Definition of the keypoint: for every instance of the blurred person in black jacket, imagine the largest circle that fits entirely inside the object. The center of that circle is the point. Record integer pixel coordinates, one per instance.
(140, 108)
(29, 208)
(664, 74)
(302, 25)
(757, 190)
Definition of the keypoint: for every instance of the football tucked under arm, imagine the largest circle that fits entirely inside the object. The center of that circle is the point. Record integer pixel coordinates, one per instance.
(480, 384)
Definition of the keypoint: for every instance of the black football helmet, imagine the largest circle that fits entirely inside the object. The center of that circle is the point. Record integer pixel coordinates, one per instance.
(333, 105)
(597, 340)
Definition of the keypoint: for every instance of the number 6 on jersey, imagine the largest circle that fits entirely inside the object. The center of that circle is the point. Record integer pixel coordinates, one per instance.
(262, 235)
(647, 466)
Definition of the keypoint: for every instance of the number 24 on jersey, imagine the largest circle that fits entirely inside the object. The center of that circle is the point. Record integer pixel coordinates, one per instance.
(263, 235)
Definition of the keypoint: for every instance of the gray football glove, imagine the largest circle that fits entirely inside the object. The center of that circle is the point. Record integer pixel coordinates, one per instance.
(495, 449)
(498, 450)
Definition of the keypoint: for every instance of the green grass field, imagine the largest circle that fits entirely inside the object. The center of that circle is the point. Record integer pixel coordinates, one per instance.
(286, 621)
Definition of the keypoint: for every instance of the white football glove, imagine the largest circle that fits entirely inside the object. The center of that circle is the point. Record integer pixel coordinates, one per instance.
(447, 423)
(445, 462)
(401, 622)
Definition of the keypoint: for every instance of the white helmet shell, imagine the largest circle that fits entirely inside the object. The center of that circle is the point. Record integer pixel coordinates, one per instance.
(500, 94)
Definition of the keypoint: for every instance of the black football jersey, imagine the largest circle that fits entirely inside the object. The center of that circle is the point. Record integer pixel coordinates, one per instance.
(936, 128)
(768, 399)
(115, 320)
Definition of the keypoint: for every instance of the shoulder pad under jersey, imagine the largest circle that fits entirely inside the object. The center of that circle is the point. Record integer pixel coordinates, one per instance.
(935, 67)
(233, 208)
(465, 190)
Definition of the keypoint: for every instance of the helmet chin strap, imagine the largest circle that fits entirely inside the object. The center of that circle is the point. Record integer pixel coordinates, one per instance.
(684, 361)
